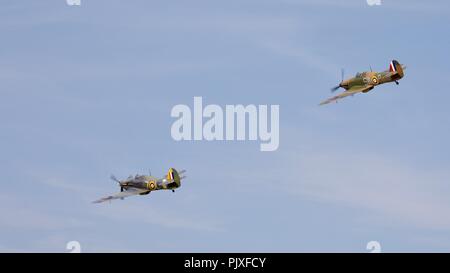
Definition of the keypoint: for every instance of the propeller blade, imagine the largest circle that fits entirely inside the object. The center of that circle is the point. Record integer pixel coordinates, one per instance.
(335, 88)
(342, 79)
(115, 179)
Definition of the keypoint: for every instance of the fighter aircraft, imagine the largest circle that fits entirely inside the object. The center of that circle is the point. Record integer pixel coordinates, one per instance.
(144, 184)
(366, 81)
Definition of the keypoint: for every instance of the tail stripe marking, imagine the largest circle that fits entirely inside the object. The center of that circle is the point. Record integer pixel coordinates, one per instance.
(392, 67)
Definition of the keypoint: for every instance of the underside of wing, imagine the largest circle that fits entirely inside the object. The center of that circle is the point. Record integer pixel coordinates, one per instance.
(121, 195)
(349, 92)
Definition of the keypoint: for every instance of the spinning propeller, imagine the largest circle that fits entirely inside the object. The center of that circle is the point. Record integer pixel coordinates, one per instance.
(118, 181)
(342, 79)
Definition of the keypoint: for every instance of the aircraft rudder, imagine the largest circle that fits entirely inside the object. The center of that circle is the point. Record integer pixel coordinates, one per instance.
(396, 67)
(173, 175)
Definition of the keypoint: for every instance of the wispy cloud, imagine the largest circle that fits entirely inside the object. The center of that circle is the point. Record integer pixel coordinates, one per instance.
(401, 194)
(26, 216)
(165, 217)
(393, 192)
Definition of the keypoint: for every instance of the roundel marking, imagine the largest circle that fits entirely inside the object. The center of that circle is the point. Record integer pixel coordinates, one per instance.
(151, 185)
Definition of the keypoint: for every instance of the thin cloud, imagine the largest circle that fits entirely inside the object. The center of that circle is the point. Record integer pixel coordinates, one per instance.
(155, 216)
(403, 194)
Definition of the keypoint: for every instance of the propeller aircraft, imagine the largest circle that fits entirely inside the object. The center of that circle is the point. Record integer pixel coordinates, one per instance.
(366, 81)
(144, 184)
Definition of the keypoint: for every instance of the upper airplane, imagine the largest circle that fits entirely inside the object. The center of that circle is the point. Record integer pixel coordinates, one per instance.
(366, 81)
(144, 184)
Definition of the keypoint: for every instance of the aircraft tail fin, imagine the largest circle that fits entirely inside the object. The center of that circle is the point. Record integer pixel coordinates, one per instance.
(396, 67)
(172, 175)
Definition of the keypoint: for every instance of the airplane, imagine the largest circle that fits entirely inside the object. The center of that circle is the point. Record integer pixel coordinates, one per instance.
(144, 184)
(366, 81)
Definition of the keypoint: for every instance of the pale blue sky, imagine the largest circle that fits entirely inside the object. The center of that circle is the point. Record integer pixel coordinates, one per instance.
(87, 91)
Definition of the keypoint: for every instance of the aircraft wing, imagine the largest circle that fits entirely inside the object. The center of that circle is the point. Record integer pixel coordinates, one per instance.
(120, 195)
(349, 92)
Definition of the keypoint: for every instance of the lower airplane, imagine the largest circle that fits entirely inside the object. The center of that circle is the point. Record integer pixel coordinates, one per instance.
(144, 184)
